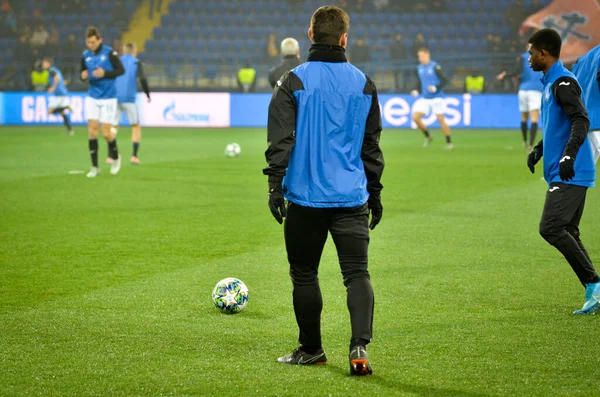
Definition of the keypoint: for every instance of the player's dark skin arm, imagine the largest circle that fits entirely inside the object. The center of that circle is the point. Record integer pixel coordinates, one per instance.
(568, 96)
(143, 80)
(117, 65)
(281, 127)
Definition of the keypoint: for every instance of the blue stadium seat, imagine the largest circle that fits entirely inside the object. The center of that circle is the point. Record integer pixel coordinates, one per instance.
(418, 18)
(439, 31)
(162, 45)
(405, 19)
(480, 31)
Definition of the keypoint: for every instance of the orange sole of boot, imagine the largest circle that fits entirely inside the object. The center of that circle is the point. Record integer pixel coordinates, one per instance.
(360, 367)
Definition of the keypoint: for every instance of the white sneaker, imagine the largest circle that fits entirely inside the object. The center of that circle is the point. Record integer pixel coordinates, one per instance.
(94, 172)
(449, 146)
(428, 141)
(116, 166)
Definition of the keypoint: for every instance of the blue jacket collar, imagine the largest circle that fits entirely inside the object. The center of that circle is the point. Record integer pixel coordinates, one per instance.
(553, 71)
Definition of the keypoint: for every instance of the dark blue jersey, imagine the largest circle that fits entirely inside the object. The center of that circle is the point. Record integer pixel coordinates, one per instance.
(431, 75)
(528, 79)
(565, 127)
(587, 71)
(127, 82)
(104, 57)
(53, 75)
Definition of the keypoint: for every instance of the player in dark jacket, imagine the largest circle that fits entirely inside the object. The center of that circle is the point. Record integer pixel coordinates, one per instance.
(290, 50)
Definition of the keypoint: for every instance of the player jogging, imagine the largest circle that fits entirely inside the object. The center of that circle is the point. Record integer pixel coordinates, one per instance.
(530, 96)
(432, 81)
(569, 167)
(100, 65)
(126, 96)
(587, 71)
(326, 109)
(59, 101)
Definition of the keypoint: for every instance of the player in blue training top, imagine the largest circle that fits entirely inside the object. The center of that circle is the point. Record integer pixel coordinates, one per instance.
(126, 95)
(432, 81)
(569, 167)
(587, 71)
(59, 101)
(530, 96)
(100, 65)
(324, 157)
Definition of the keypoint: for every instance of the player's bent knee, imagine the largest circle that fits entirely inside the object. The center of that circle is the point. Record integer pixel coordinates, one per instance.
(550, 234)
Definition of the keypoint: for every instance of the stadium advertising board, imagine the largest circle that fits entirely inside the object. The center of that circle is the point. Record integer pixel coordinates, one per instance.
(463, 111)
(165, 110)
(250, 110)
(186, 110)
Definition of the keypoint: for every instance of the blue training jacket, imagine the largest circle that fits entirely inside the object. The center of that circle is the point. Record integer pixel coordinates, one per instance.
(127, 82)
(561, 104)
(54, 73)
(104, 57)
(323, 131)
(428, 75)
(587, 71)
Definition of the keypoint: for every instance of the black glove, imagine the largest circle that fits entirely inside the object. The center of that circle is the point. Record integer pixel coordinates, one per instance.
(276, 201)
(534, 156)
(566, 168)
(376, 210)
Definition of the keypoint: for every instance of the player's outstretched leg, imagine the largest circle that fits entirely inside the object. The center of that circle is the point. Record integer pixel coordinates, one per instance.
(136, 138)
(66, 118)
(113, 132)
(446, 131)
(350, 232)
(559, 226)
(67, 121)
(93, 127)
(417, 118)
(535, 118)
(113, 152)
(305, 232)
(524, 118)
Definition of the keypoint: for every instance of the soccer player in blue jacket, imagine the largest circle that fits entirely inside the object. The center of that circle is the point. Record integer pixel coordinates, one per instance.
(587, 71)
(530, 96)
(569, 167)
(324, 158)
(100, 65)
(432, 81)
(59, 101)
(126, 96)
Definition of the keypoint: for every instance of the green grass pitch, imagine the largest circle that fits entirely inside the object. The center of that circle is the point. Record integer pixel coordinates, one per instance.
(105, 284)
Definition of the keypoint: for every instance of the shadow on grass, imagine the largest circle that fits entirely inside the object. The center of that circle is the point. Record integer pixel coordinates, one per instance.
(396, 386)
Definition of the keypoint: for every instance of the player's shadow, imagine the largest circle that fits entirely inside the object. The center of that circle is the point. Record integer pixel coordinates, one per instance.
(396, 386)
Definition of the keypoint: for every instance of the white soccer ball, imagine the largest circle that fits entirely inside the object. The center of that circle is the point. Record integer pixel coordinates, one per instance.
(230, 295)
(233, 150)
